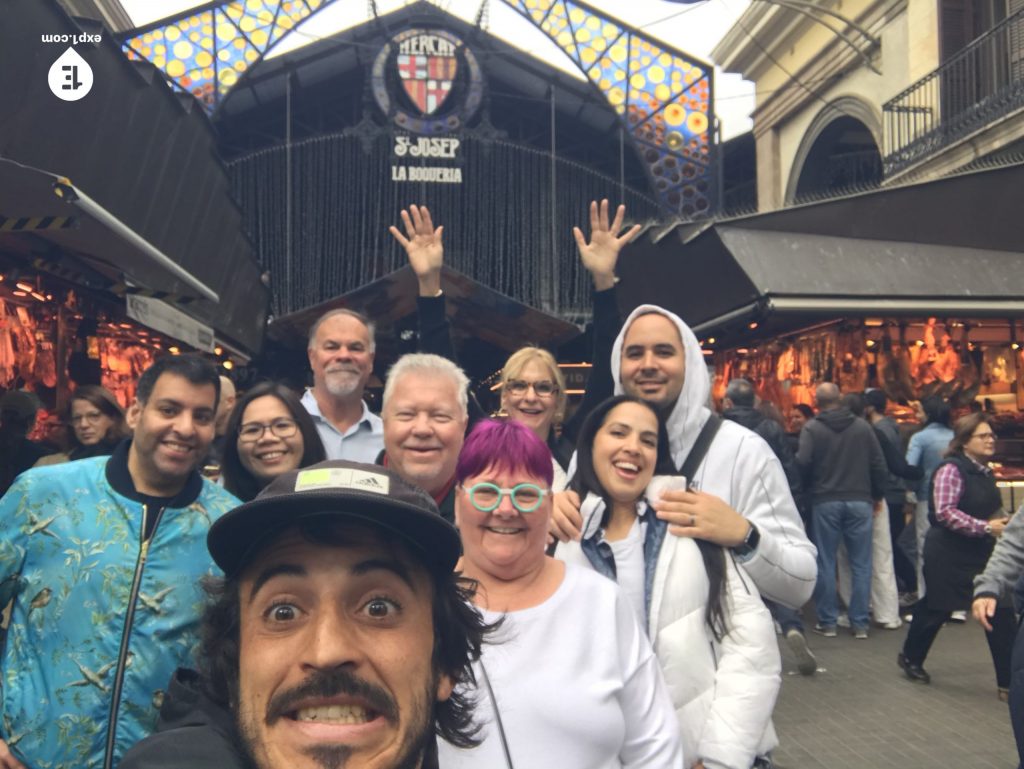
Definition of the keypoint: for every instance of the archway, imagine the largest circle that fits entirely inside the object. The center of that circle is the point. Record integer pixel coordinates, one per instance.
(840, 151)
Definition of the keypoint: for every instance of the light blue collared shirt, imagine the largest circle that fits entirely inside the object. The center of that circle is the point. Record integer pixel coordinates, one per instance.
(362, 442)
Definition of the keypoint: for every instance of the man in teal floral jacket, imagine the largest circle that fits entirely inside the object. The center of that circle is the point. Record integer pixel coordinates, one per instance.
(104, 557)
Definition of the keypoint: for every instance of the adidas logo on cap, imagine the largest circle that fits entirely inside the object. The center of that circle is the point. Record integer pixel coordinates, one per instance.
(320, 478)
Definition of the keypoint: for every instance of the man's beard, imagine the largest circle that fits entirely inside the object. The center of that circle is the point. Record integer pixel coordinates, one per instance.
(332, 683)
(342, 382)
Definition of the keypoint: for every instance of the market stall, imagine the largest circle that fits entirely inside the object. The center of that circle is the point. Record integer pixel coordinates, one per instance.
(914, 290)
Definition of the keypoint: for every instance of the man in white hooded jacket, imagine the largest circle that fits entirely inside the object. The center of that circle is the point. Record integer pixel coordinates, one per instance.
(740, 497)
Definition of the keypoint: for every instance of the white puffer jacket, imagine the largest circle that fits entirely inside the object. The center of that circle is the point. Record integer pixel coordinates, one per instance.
(741, 469)
(723, 691)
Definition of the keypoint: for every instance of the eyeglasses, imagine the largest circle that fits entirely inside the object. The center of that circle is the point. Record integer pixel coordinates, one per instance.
(543, 388)
(989, 436)
(253, 431)
(526, 497)
(90, 417)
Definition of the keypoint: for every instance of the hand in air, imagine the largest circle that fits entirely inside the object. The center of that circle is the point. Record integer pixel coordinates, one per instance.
(423, 245)
(601, 254)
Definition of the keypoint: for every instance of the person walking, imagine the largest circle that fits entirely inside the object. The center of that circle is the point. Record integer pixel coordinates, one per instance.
(967, 518)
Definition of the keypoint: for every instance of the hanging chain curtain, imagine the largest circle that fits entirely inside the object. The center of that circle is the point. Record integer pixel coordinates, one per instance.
(498, 222)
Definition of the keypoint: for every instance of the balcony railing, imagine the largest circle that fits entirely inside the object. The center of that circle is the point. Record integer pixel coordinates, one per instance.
(974, 88)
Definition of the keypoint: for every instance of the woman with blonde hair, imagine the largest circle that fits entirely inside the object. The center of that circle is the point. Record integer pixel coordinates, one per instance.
(533, 394)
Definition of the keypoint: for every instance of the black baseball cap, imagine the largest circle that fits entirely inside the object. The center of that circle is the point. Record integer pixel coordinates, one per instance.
(347, 492)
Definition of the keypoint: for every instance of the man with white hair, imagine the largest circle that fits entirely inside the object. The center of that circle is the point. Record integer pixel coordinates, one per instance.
(425, 415)
(341, 350)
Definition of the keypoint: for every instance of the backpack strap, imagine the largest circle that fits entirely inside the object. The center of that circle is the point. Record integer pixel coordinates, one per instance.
(700, 447)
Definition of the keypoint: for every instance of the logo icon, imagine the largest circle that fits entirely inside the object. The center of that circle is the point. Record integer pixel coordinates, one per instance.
(70, 77)
(427, 78)
(427, 81)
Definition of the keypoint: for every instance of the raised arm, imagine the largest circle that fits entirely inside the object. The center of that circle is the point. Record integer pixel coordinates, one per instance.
(424, 246)
(600, 257)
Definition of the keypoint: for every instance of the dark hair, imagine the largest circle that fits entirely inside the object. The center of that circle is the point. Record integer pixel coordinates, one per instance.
(459, 635)
(963, 429)
(771, 411)
(804, 409)
(237, 479)
(854, 402)
(740, 392)
(937, 410)
(104, 400)
(585, 481)
(876, 399)
(191, 367)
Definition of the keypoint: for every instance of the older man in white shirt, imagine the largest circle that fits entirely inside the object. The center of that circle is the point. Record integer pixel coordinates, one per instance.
(341, 350)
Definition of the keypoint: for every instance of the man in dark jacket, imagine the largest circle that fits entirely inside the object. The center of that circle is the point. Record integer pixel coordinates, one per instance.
(739, 406)
(846, 475)
(18, 410)
(336, 638)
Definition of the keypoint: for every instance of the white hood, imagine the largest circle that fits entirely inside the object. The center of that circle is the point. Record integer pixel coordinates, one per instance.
(690, 411)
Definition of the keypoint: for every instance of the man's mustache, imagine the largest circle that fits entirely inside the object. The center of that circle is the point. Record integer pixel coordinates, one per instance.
(332, 683)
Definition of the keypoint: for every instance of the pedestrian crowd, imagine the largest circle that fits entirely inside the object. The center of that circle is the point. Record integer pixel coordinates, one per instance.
(436, 587)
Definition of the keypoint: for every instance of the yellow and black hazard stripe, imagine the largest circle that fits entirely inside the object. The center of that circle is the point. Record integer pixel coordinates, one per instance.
(36, 223)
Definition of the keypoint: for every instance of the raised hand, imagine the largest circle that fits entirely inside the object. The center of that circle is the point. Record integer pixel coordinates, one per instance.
(423, 246)
(601, 254)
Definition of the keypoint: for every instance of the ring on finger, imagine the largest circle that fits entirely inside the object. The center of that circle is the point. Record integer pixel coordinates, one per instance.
(693, 520)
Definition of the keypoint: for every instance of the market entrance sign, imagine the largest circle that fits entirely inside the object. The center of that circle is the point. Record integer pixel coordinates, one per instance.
(428, 84)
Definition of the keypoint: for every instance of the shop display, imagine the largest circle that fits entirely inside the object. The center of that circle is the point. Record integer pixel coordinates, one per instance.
(50, 347)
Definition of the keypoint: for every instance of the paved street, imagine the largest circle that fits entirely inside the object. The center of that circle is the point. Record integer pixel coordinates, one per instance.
(860, 712)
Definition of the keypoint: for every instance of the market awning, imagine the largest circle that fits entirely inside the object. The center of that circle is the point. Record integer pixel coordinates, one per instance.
(486, 325)
(951, 248)
(122, 187)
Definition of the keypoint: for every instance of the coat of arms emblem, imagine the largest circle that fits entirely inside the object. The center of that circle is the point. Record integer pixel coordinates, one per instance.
(427, 66)
(427, 81)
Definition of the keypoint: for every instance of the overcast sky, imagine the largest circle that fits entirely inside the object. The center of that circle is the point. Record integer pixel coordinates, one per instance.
(694, 29)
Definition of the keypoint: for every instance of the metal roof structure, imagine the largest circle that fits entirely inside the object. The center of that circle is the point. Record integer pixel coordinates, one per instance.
(662, 96)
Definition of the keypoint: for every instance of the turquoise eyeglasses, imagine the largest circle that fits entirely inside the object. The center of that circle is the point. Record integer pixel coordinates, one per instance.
(485, 497)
